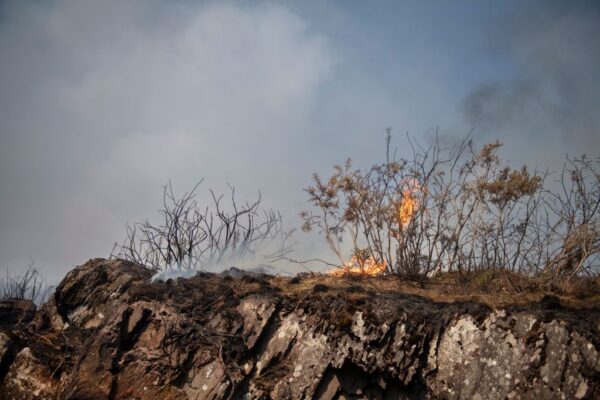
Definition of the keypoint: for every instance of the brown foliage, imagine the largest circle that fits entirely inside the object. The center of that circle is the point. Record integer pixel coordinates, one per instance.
(459, 209)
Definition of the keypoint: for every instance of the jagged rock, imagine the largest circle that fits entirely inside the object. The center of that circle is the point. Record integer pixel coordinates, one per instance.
(29, 378)
(16, 311)
(7, 353)
(108, 332)
(256, 313)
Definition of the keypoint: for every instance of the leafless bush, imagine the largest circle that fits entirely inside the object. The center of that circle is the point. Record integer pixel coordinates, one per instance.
(460, 209)
(572, 223)
(191, 235)
(30, 285)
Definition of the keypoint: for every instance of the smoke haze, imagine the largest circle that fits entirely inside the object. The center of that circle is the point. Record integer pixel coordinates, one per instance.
(552, 99)
(101, 102)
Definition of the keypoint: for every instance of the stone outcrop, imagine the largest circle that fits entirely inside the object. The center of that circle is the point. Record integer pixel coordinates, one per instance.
(14, 312)
(108, 333)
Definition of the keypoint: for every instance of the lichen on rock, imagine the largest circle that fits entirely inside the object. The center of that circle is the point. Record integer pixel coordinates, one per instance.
(108, 332)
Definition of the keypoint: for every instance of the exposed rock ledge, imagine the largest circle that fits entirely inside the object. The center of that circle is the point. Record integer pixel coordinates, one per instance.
(108, 333)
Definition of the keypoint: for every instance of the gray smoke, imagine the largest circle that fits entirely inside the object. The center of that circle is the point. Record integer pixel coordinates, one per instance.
(102, 102)
(553, 97)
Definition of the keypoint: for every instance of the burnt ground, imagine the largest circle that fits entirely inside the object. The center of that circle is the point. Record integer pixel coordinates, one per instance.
(107, 325)
(337, 299)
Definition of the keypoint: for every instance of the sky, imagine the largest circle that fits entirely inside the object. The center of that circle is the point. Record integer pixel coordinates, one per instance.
(102, 102)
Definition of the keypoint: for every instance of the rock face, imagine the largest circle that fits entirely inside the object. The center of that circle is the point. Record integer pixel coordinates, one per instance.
(14, 312)
(108, 333)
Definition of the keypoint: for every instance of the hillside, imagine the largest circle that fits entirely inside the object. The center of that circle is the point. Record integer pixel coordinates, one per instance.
(109, 333)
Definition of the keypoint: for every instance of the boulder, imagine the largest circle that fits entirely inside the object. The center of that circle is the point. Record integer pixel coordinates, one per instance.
(109, 332)
(16, 311)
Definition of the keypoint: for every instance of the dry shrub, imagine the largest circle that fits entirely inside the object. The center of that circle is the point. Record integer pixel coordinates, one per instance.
(30, 285)
(192, 236)
(461, 209)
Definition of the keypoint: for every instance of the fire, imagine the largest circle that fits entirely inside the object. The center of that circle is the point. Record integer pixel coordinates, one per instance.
(368, 267)
(407, 207)
(409, 202)
(406, 210)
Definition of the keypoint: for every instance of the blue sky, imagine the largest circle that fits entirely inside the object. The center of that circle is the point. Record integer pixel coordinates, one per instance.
(101, 102)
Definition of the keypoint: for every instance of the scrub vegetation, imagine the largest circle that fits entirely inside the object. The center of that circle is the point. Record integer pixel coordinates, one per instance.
(461, 210)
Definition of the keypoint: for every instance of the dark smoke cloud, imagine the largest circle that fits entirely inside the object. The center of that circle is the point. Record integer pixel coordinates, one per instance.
(102, 102)
(554, 94)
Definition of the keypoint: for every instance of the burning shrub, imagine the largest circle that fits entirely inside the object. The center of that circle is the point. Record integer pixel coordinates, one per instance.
(193, 236)
(458, 209)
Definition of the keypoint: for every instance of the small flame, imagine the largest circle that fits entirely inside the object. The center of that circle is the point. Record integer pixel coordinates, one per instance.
(406, 210)
(407, 207)
(408, 204)
(368, 267)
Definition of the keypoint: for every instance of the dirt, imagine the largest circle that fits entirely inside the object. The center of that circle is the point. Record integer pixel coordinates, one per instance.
(108, 332)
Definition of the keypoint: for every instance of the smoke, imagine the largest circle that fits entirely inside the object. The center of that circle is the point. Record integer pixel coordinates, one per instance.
(265, 258)
(101, 103)
(551, 99)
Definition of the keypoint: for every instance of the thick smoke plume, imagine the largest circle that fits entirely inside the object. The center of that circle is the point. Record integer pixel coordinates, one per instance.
(552, 98)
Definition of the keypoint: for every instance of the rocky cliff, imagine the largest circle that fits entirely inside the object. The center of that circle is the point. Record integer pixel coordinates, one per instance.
(108, 333)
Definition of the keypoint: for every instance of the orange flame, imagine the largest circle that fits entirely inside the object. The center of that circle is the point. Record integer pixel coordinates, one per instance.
(406, 210)
(409, 202)
(368, 267)
(407, 207)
